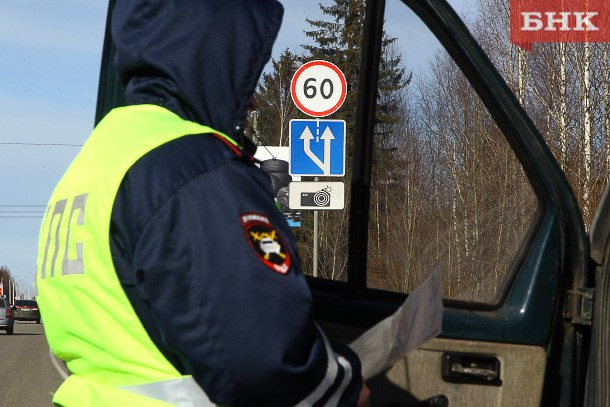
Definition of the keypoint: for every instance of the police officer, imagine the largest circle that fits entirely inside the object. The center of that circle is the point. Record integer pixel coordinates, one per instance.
(166, 274)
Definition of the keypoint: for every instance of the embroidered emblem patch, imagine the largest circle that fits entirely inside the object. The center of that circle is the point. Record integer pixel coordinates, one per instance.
(266, 242)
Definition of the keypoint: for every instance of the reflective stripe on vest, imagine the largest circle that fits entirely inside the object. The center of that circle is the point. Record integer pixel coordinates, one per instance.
(331, 375)
(89, 321)
(184, 392)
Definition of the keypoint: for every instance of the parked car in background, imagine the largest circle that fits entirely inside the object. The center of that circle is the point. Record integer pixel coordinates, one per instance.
(26, 310)
(7, 320)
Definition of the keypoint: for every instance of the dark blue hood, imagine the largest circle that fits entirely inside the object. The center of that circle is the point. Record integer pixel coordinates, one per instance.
(201, 59)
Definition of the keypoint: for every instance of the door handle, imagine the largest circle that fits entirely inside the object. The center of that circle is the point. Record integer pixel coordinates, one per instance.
(479, 373)
(471, 368)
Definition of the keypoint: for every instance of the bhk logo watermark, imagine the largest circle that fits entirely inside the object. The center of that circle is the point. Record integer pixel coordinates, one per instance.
(559, 21)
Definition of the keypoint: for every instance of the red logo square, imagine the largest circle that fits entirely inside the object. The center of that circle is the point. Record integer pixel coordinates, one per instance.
(559, 21)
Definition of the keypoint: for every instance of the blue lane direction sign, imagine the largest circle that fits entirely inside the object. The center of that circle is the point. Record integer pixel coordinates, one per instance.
(317, 148)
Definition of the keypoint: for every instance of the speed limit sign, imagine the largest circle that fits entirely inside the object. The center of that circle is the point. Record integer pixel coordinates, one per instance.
(318, 88)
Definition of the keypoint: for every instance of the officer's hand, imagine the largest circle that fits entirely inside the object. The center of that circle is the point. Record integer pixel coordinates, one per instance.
(365, 393)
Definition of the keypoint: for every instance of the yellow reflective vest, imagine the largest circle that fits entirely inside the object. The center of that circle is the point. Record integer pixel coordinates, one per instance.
(89, 321)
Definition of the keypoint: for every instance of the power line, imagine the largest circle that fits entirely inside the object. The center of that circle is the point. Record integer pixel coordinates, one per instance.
(20, 217)
(42, 144)
(23, 206)
(39, 212)
(14, 212)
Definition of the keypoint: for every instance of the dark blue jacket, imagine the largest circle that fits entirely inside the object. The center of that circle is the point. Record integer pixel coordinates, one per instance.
(204, 255)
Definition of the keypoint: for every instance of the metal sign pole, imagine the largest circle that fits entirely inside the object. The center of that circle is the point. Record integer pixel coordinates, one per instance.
(316, 217)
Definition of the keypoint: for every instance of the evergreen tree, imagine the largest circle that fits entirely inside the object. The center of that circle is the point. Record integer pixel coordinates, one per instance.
(339, 41)
(276, 107)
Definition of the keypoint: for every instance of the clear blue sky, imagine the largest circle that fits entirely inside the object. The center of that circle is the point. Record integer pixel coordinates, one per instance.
(49, 70)
(49, 66)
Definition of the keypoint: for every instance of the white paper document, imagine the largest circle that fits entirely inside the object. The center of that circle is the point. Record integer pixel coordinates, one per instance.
(418, 319)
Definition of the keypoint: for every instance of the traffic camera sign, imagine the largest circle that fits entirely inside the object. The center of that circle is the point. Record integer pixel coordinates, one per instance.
(318, 88)
(317, 195)
(317, 148)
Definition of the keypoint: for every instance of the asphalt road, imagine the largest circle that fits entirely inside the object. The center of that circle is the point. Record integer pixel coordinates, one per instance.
(28, 375)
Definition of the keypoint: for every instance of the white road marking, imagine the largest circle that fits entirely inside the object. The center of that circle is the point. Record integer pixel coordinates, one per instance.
(58, 367)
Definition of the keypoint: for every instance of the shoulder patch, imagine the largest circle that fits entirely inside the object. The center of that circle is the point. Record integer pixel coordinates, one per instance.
(266, 242)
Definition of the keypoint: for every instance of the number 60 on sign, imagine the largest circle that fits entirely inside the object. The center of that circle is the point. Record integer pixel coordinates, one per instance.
(318, 88)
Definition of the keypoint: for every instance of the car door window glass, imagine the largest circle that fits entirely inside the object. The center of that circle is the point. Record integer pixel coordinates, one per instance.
(447, 190)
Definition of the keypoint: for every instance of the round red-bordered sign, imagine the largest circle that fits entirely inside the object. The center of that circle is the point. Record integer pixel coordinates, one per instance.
(318, 88)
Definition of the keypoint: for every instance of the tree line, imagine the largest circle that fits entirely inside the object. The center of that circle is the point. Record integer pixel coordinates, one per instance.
(8, 284)
(446, 188)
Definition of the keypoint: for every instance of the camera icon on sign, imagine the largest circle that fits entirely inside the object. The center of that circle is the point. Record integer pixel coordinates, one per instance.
(320, 198)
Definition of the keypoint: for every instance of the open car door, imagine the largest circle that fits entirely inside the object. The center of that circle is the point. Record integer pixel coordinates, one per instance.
(446, 170)
(498, 217)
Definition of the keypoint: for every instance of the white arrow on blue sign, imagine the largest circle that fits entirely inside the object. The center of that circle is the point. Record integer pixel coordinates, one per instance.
(317, 148)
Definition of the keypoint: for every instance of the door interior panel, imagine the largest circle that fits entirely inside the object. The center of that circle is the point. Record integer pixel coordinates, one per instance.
(420, 374)
(450, 372)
